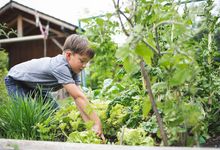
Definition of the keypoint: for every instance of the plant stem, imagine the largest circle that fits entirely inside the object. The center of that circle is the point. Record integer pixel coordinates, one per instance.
(122, 135)
(148, 87)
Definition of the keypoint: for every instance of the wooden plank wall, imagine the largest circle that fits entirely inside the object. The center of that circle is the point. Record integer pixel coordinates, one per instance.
(27, 50)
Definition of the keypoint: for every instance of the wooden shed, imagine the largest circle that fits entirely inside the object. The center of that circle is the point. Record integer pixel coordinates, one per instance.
(37, 34)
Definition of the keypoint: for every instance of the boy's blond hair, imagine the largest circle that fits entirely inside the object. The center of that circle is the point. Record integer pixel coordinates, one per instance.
(78, 44)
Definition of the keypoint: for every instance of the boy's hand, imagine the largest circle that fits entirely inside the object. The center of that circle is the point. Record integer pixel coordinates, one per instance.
(98, 130)
(103, 139)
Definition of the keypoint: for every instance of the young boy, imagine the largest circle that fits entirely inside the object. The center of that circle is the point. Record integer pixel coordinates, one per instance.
(53, 73)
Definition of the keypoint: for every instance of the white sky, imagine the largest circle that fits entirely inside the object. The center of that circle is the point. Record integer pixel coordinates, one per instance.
(68, 10)
(72, 10)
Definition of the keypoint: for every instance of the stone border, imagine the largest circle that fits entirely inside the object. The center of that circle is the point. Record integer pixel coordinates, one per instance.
(10, 144)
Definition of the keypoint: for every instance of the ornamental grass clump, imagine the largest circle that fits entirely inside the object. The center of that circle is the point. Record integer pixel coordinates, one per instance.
(19, 117)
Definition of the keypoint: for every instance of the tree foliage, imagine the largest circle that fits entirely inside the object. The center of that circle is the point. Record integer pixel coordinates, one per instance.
(3, 63)
(182, 67)
(100, 31)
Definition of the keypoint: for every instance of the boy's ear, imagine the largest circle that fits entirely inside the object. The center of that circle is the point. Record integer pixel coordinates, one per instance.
(68, 54)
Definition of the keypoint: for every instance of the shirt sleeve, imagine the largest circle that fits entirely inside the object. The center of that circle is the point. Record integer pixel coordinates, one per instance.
(63, 75)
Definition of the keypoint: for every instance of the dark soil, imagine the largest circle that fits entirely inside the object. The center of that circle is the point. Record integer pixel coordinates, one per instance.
(212, 142)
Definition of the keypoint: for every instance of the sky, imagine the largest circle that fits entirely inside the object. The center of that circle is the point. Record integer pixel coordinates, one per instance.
(72, 10)
(68, 10)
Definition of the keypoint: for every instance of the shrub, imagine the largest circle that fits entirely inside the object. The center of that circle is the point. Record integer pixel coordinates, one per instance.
(3, 72)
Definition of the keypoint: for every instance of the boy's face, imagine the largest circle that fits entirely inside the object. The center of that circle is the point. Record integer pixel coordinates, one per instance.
(77, 62)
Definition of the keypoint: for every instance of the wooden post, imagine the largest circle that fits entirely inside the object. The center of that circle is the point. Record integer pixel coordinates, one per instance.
(45, 47)
(20, 26)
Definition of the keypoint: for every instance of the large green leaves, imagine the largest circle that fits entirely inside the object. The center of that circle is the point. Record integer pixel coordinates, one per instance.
(146, 107)
(129, 56)
(130, 61)
(143, 51)
(196, 114)
(179, 67)
(182, 74)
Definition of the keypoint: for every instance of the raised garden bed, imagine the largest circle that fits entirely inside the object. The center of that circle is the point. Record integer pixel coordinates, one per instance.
(9, 144)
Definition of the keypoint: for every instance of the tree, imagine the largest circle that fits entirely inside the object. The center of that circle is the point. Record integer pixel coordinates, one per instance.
(176, 67)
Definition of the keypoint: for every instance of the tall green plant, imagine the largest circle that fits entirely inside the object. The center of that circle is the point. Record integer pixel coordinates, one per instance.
(207, 57)
(19, 117)
(180, 71)
(100, 31)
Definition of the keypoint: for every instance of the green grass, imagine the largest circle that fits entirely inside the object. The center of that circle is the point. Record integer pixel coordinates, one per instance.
(19, 116)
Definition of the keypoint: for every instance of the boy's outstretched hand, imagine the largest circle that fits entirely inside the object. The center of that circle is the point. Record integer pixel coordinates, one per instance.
(98, 130)
(103, 138)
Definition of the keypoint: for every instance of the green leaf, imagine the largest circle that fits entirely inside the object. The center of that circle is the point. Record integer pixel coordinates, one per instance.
(146, 107)
(145, 52)
(202, 140)
(74, 125)
(109, 15)
(62, 126)
(89, 124)
(181, 74)
(166, 61)
(130, 65)
(123, 52)
(195, 112)
(94, 45)
(100, 21)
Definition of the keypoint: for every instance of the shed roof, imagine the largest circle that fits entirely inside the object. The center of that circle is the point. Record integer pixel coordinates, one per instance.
(16, 5)
(12, 10)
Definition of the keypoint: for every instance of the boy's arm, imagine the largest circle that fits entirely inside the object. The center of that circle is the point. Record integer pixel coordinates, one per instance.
(83, 106)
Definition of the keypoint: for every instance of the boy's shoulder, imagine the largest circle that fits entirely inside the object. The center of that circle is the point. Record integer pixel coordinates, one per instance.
(59, 64)
(58, 60)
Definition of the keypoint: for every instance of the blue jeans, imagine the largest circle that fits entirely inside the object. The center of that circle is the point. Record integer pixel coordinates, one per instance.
(17, 88)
